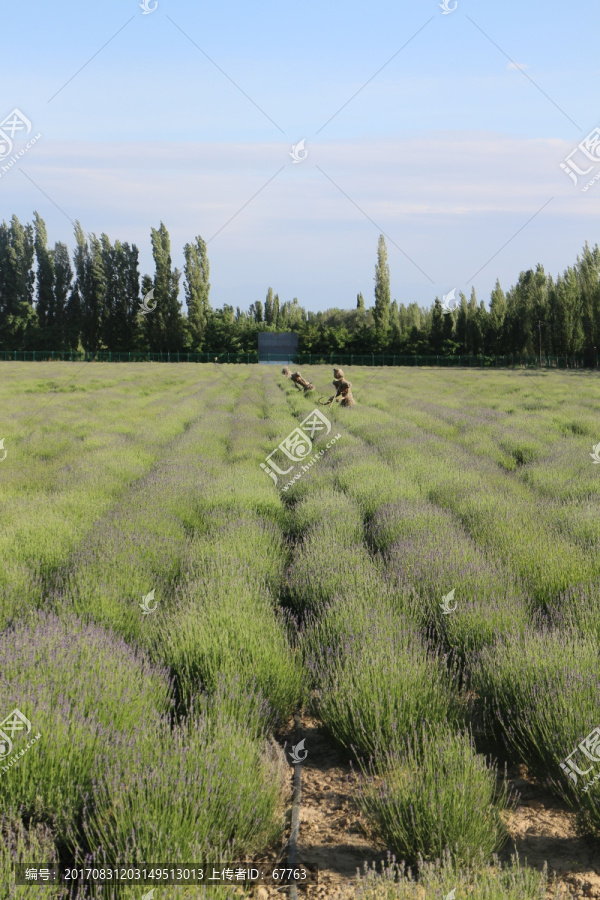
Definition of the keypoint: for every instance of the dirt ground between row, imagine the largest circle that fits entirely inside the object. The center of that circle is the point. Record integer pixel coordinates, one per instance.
(335, 836)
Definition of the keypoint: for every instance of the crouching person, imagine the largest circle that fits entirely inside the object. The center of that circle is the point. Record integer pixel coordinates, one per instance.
(343, 394)
(299, 381)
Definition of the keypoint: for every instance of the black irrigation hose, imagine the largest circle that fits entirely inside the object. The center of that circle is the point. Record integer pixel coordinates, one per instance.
(293, 846)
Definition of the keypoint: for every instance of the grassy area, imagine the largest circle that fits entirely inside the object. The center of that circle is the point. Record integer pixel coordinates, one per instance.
(126, 481)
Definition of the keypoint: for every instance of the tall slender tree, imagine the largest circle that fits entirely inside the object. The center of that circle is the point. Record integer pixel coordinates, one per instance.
(269, 308)
(381, 311)
(46, 314)
(18, 319)
(166, 331)
(496, 320)
(256, 311)
(587, 269)
(566, 313)
(90, 281)
(197, 289)
(437, 327)
(65, 335)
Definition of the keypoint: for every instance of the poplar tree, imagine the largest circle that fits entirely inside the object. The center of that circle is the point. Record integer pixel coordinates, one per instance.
(381, 311)
(437, 327)
(90, 281)
(197, 289)
(45, 300)
(66, 333)
(269, 307)
(18, 318)
(167, 326)
(496, 319)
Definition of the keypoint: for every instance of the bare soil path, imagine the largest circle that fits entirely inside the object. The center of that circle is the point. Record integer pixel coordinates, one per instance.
(337, 838)
(542, 828)
(333, 833)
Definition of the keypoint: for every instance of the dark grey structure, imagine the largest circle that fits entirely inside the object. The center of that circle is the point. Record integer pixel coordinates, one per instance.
(277, 348)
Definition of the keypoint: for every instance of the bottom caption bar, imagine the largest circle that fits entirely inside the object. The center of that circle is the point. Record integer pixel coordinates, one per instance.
(237, 873)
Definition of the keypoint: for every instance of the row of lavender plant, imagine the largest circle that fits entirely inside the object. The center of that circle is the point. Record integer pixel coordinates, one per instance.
(424, 553)
(541, 700)
(190, 528)
(68, 460)
(445, 877)
(373, 674)
(221, 647)
(110, 777)
(428, 552)
(536, 425)
(142, 543)
(494, 616)
(546, 542)
(199, 533)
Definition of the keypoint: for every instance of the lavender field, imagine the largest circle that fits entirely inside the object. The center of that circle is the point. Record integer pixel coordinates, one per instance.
(427, 592)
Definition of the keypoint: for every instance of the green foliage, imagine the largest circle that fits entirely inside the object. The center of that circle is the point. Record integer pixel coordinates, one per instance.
(33, 846)
(79, 688)
(381, 312)
(375, 683)
(98, 306)
(204, 791)
(129, 484)
(436, 795)
(480, 881)
(541, 698)
(197, 289)
(164, 326)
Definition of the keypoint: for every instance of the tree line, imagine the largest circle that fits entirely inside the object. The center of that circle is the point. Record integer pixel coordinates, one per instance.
(93, 301)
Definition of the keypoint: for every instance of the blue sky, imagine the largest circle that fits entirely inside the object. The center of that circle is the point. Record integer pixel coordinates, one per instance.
(447, 148)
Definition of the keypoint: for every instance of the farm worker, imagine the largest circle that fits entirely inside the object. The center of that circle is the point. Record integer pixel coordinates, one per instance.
(298, 380)
(343, 393)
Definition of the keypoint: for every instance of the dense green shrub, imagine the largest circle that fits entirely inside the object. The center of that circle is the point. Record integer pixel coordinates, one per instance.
(436, 794)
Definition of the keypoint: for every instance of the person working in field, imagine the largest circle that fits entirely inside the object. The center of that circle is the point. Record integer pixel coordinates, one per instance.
(343, 394)
(298, 380)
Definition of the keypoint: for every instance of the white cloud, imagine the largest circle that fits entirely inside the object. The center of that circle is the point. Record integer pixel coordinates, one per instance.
(449, 200)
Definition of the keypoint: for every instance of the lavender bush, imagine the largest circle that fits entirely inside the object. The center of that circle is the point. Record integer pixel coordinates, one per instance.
(79, 687)
(541, 697)
(204, 790)
(480, 881)
(376, 686)
(436, 795)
